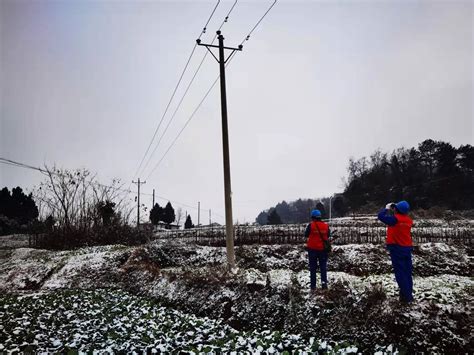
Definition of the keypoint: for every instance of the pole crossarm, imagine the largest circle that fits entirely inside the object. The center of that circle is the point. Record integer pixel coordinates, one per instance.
(239, 48)
(211, 53)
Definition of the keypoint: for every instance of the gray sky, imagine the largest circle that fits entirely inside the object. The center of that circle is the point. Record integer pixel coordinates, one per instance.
(85, 83)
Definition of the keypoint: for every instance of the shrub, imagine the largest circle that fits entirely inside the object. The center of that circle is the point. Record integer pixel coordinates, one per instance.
(74, 237)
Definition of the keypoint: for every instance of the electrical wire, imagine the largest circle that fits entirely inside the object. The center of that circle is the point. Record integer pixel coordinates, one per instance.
(209, 19)
(184, 127)
(186, 91)
(46, 172)
(207, 93)
(175, 111)
(258, 23)
(175, 89)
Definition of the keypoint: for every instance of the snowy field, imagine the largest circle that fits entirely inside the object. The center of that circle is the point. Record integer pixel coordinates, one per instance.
(176, 296)
(347, 230)
(116, 321)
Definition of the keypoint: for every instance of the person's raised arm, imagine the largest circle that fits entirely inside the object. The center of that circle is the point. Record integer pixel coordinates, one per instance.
(384, 217)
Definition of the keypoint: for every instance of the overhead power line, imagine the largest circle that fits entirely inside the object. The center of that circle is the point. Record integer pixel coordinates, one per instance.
(258, 23)
(207, 93)
(176, 88)
(184, 127)
(115, 188)
(185, 92)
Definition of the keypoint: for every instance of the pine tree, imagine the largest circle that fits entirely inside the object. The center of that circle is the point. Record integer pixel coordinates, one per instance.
(156, 214)
(168, 214)
(262, 218)
(17, 205)
(320, 207)
(189, 223)
(339, 206)
(106, 211)
(274, 218)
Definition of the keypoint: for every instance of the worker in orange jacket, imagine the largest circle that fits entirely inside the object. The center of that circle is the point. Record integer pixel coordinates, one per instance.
(317, 232)
(400, 245)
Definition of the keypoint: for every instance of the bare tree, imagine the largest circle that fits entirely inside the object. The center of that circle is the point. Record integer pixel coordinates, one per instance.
(73, 197)
(179, 215)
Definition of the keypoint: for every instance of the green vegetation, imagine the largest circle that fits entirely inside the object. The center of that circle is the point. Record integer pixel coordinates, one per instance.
(114, 320)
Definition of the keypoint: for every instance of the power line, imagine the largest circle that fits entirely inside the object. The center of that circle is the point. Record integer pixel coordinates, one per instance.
(209, 19)
(207, 93)
(44, 171)
(186, 91)
(175, 89)
(258, 22)
(182, 129)
(47, 172)
(227, 16)
(21, 165)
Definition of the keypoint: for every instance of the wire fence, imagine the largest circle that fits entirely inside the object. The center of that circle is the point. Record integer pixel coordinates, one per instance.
(295, 234)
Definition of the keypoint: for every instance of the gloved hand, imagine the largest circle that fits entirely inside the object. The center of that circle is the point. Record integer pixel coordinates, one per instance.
(389, 206)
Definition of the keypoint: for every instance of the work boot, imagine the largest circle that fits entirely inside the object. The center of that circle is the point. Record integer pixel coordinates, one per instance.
(324, 286)
(403, 300)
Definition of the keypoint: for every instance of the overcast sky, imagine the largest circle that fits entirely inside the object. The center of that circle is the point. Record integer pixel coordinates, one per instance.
(85, 84)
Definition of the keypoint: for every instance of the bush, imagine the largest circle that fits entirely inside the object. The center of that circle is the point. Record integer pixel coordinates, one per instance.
(8, 226)
(73, 237)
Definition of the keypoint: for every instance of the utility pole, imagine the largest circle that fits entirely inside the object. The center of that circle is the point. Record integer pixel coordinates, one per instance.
(138, 206)
(330, 206)
(199, 213)
(153, 199)
(209, 217)
(225, 146)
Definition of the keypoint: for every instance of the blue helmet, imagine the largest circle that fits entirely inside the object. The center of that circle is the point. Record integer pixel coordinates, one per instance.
(403, 207)
(315, 214)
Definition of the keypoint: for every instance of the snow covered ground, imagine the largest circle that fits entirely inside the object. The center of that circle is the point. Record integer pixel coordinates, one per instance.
(255, 309)
(14, 241)
(116, 321)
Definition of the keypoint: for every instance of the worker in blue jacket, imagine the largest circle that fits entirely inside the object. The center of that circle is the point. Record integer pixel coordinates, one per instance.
(400, 245)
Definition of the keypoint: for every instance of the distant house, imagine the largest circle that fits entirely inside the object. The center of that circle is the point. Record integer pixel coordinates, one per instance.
(146, 225)
(163, 225)
(207, 226)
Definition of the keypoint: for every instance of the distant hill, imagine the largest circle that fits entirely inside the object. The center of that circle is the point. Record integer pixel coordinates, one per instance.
(433, 174)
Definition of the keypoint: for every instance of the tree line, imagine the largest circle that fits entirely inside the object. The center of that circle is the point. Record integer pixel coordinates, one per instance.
(70, 209)
(433, 174)
(17, 210)
(298, 211)
(167, 215)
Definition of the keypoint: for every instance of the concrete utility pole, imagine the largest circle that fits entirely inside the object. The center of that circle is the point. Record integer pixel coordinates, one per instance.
(225, 146)
(138, 206)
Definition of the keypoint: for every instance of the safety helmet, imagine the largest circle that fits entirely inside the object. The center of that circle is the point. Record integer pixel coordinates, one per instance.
(402, 207)
(315, 214)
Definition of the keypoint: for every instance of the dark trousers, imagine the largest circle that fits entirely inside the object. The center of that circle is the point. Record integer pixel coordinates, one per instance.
(318, 257)
(403, 268)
